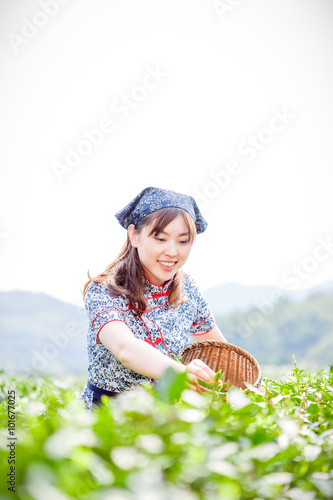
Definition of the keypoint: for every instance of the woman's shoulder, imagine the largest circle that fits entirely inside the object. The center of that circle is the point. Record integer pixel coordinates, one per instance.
(189, 283)
(100, 291)
(96, 288)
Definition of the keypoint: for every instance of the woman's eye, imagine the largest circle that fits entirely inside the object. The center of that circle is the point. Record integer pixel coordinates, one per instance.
(183, 242)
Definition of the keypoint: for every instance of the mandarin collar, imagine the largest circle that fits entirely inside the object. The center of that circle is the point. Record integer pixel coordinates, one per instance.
(159, 291)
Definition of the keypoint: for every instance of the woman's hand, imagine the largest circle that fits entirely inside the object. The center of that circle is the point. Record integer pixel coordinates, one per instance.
(195, 370)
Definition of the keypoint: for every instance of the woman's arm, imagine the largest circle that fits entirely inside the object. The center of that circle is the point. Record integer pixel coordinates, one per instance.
(214, 334)
(142, 358)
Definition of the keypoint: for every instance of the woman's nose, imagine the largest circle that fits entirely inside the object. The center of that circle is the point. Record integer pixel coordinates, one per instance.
(171, 249)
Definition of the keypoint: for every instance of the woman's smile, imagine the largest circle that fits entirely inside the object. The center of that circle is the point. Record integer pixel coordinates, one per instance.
(167, 265)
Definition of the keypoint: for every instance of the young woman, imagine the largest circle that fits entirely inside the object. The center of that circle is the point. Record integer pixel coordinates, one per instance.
(143, 308)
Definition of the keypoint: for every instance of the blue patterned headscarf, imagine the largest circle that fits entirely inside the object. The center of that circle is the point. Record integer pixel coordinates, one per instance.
(151, 199)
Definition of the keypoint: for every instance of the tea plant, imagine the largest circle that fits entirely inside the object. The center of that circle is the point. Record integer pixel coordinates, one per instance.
(172, 442)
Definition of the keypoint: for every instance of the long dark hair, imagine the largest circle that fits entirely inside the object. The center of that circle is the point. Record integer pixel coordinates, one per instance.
(125, 275)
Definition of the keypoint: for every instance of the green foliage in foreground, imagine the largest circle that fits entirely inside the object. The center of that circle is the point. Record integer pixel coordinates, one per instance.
(171, 443)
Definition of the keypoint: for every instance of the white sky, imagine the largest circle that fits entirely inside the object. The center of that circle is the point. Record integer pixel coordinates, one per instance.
(226, 74)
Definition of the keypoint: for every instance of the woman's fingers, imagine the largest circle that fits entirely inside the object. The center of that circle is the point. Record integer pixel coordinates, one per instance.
(192, 378)
(195, 370)
(200, 370)
(195, 387)
(208, 371)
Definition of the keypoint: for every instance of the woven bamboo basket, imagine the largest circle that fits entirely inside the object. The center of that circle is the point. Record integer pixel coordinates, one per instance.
(237, 364)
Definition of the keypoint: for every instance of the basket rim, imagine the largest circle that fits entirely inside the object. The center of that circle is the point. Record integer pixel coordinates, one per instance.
(228, 346)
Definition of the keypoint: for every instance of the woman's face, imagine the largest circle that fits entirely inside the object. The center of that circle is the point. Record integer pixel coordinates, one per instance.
(162, 254)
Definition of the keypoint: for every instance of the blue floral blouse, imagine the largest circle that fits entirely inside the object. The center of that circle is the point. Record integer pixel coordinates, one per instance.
(166, 328)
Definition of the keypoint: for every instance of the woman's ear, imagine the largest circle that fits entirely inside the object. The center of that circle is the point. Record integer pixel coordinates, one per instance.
(132, 235)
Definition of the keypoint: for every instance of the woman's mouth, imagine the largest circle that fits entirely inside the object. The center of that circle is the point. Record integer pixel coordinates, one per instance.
(167, 266)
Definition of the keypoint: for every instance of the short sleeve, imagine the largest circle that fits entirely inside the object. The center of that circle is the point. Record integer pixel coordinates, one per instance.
(101, 308)
(204, 320)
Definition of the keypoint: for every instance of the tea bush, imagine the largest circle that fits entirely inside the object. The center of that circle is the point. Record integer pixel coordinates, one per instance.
(169, 443)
